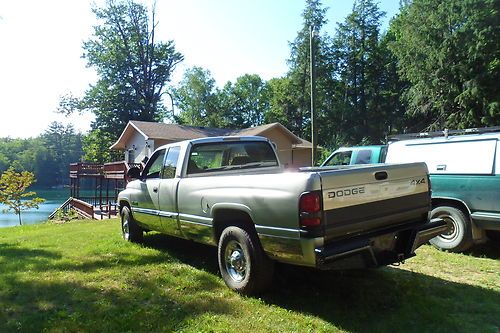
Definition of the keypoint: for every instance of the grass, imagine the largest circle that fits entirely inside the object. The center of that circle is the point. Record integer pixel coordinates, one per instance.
(82, 277)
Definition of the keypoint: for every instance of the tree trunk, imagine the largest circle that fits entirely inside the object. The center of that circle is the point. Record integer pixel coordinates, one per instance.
(20, 221)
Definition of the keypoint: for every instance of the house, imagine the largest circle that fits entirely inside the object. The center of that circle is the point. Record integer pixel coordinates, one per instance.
(141, 138)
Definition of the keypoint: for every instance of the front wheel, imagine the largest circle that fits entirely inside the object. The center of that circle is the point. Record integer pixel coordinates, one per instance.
(243, 264)
(130, 230)
(459, 236)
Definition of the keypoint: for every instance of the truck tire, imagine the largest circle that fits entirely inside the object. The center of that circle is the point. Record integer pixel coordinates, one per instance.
(243, 264)
(459, 238)
(130, 230)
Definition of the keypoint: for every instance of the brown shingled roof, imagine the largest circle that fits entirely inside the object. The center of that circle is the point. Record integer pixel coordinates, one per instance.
(175, 132)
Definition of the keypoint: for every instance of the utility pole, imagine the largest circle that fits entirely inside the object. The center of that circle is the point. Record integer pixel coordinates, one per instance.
(313, 93)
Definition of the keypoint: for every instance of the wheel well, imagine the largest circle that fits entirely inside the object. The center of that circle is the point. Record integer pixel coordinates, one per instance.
(453, 203)
(231, 217)
(122, 204)
(478, 233)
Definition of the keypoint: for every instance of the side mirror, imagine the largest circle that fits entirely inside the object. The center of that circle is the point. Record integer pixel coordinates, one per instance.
(134, 173)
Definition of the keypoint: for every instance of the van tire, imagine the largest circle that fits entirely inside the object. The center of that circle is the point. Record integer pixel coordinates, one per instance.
(131, 231)
(459, 238)
(244, 266)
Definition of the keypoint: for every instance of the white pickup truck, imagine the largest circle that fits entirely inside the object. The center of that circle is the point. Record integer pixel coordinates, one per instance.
(232, 192)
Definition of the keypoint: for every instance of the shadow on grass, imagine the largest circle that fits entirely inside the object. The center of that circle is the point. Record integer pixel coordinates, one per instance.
(188, 252)
(489, 249)
(385, 300)
(382, 300)
(46, 299)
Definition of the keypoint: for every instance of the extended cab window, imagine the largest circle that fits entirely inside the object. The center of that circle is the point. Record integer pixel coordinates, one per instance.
(364, 156)
(155, 164)
(340, 158)
(171, 163)
(220, 156)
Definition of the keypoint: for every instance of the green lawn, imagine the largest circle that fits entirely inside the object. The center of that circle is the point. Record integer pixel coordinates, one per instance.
(82, 277)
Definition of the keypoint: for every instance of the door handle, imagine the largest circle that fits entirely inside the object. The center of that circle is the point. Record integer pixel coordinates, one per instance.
(155, 189)
(381, 175)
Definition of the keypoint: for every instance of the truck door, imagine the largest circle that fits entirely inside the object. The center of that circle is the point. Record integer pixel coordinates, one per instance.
(146, 211)
(168, 194)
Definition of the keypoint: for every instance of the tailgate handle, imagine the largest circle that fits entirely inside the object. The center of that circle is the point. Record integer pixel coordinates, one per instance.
(380, 175)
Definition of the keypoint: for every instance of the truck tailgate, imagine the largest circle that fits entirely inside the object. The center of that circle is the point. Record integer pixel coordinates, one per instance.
(364, 199)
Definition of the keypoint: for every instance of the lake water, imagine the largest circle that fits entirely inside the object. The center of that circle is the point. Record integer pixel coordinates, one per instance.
(53, 199)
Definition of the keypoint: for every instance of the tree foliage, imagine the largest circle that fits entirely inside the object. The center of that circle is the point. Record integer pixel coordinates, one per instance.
(13, 191)
(299, 110)
(133, 68)
(237, 105)
(436, 66)
(449, 53)
(246, 101)
(364, 68)
(197, 98)
(47, 156)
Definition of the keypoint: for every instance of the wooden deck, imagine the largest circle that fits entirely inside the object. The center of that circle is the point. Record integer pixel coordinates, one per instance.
(108, 180)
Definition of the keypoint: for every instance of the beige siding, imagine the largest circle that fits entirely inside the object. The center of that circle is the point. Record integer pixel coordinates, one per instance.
(283, 145)
(302, 157)
(289, 157)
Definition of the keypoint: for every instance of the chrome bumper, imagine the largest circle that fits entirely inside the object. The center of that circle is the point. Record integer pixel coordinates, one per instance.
(379, 248)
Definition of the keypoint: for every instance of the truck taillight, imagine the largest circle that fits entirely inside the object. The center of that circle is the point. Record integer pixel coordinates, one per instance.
(310, 209)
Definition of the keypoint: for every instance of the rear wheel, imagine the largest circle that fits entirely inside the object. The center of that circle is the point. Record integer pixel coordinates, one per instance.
(130, 230)
(243, 264)
(459, 236)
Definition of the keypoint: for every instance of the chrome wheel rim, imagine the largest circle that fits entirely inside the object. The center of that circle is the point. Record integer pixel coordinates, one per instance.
(454, 228)
(125, 228)
(236, 263)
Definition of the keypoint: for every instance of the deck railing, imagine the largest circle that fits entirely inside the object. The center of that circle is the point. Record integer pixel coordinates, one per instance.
(85, 170)
(108, 179)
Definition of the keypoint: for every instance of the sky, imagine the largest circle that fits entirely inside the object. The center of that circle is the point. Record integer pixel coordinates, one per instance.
(41, 48)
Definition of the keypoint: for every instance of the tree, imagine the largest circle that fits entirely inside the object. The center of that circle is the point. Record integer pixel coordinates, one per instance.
(299, 73)
(197, 98)
(13, 186)
(96, 147)
(47, 156)
(63, 146)
(282, 102)
(360, 67)
(449, 53)
(247, 101)
(133, 69)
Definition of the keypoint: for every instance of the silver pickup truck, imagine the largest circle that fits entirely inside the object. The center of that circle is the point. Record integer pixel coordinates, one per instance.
(232, 192)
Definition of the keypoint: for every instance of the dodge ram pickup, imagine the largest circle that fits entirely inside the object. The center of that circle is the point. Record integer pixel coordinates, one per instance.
(232, 192)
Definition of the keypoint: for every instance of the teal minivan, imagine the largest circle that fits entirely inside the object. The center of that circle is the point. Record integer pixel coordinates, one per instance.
(465, 176)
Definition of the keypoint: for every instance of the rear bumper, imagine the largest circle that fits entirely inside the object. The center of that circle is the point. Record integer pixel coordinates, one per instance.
(379, 248)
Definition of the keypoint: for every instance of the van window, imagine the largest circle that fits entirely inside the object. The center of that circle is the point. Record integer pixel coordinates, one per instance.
(340, 158)
(364, 156)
